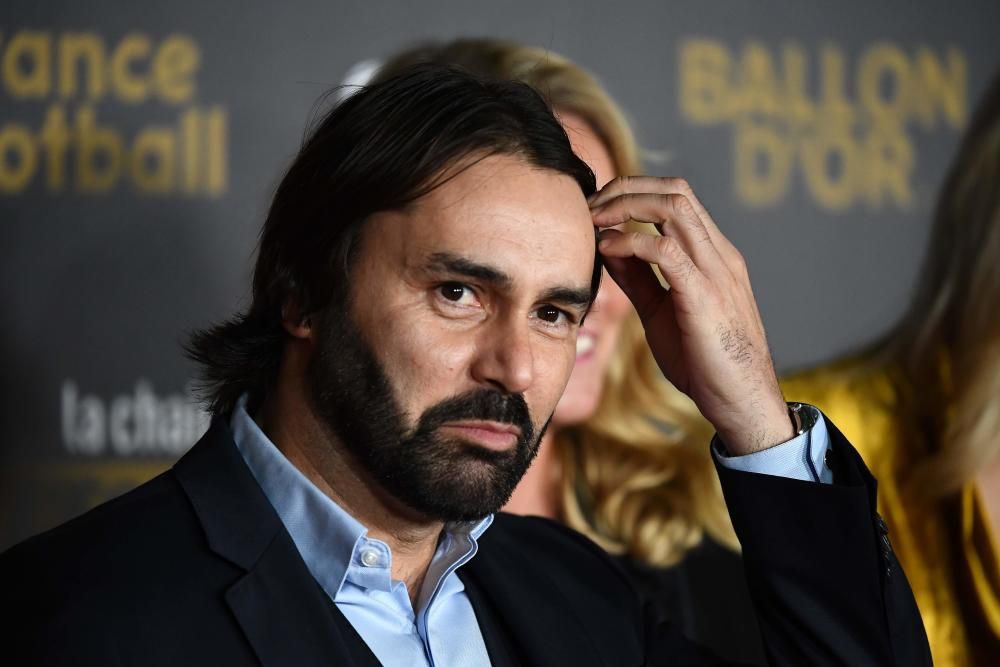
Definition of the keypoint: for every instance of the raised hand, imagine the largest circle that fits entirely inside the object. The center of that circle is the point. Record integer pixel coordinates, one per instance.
(704, 330)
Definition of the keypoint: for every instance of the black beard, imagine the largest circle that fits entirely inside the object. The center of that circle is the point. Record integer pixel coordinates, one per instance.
(441, 478)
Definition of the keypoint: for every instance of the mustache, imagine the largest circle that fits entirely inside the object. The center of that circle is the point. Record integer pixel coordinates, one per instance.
(482, 404)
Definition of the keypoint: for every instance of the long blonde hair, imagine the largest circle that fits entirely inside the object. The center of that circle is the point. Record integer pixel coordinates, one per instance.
(637, 476)
(945, 354)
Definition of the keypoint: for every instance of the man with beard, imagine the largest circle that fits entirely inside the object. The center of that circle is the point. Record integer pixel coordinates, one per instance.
(422, 274)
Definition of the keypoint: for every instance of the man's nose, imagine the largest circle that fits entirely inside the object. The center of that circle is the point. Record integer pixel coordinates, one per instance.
(505, 357)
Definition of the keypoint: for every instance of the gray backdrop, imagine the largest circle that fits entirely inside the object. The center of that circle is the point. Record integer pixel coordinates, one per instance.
(139, 146)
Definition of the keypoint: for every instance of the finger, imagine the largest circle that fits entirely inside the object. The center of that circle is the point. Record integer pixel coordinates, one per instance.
(665, 185)
(673, 215)
(639, 282)
(665, 252)
(624, 185)
(655, 307)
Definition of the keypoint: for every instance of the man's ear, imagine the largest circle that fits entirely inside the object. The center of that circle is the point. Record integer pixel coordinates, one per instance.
(293, 322)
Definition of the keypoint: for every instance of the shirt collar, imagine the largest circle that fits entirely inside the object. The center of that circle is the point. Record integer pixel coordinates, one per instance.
(327, 537)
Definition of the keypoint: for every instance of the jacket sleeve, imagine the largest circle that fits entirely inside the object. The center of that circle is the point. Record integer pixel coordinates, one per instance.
(825, 583)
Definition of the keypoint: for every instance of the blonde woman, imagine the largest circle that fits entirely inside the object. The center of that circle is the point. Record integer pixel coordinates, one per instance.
(923, 409)
(625, 460)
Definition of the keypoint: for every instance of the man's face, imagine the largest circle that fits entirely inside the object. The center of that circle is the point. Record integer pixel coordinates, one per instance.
(464, 310)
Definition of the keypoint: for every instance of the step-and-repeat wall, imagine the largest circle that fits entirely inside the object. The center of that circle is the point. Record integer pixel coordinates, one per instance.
(140, 144)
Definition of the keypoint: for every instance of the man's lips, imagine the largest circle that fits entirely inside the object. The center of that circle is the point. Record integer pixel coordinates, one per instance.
(489, 434)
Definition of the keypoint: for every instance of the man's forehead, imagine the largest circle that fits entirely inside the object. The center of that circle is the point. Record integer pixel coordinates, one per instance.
(529, 224)
(507, 253)
(501, 210)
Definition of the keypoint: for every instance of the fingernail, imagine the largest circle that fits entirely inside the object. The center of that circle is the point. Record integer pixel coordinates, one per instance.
(604, 243)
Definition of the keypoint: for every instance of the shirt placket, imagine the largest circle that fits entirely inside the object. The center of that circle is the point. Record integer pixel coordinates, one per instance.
(451, 543)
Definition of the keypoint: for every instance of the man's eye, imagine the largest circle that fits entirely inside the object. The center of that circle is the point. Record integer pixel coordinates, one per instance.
(552, 315)
(457, 293)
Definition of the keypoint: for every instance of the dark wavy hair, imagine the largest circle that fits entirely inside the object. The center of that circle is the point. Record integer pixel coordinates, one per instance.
(382, 148)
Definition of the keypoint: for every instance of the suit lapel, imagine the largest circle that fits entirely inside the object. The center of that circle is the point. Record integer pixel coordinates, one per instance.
(283, 612)
(534, 614)
(288, 618)
(498, 637)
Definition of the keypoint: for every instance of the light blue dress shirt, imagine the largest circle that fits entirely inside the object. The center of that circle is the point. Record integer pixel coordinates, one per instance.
(356, 570)
(803, 457)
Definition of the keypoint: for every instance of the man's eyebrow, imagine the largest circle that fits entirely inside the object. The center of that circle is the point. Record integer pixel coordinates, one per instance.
(570, 296)
(447, 262)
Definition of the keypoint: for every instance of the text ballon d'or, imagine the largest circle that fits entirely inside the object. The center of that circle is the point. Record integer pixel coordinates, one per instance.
(842, 125)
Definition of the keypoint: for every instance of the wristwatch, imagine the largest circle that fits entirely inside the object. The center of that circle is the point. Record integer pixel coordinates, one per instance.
(802, 418)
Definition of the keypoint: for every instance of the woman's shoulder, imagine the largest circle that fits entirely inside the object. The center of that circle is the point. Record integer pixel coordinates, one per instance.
(847, 379)
(856, 393)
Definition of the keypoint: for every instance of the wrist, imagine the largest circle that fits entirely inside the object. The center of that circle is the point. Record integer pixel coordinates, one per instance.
(765, 430)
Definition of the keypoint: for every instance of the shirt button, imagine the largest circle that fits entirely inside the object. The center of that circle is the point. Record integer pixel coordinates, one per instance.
(369, 557)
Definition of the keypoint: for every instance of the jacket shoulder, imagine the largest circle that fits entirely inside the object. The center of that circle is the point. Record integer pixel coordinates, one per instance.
(114, 524)
(144, 544)
(127, 578)
(534, 551)
(543, 540)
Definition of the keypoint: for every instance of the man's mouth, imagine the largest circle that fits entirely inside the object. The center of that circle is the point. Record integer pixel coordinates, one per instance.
(585, 344)
(488, 434)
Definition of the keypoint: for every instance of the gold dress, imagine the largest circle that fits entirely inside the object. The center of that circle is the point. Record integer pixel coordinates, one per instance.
(946, 548)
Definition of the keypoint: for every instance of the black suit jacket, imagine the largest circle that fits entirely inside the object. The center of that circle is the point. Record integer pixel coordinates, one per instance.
(195, 568)
(706, 594)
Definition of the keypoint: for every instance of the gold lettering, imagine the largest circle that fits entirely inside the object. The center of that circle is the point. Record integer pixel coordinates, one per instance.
(799, 109)
(880, 63)
(217, 166)
(17, 140)
(705, 71)
(190, 124)
(834, 98)
(940, 84)
(54, 138)
(889, 165)
(81, 68)
(758, 88)
(174, 65)
(93, 141)
(763, 164)
(88, 48)
(34, 47)
(832, 189)
(153, 160)
(127, 85)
